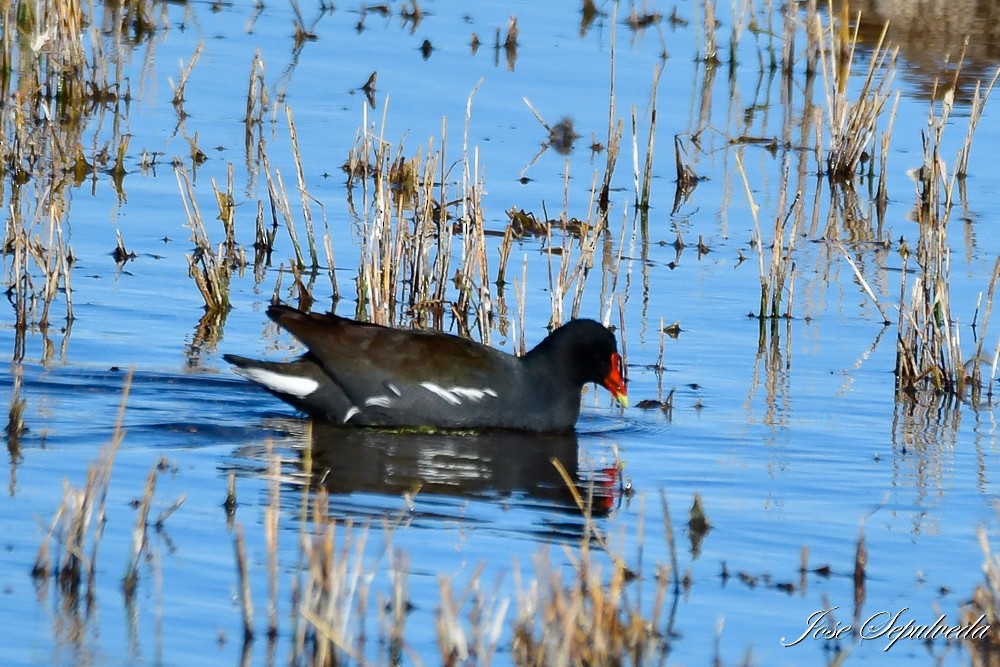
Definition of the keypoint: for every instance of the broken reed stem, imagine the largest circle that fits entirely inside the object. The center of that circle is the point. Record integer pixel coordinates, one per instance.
(589, 238)
(272, 514)
(301, 178)
(780, 269)
(209, 269)
(615, 127)
(244, 583)
(280, 204)
(165, 514)
(754, 208)
(668, 532)
(647, 170)
(257, 102)
(978, 360)
(131, 578)
(976, 108)
(635, 156)
(520, 294)
(185, 73)
(864, 284)
(623, 336)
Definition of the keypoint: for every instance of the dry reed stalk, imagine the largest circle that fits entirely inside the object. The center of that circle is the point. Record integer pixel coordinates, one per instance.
(39, 271)
(687, 179)
(263, 242)
(301, 179)
(472, 277)
(452, 642)
(520, 293)
(230, 502)
(710, 48)
(15, 420)
(976, 108)
(585, 506)
(860, 575)
(165, 514)
(882, 196)
(588, 244)
(253, 122)
(272, 514)
(178, 99)
(612, 269)
(789, 21)
(278, 198)
(505, 247)
(780, 268)
(486, 618)
(615, 127)
(623, 336)
(139, 537)
(227, 214)
(975, 376)
(56, 266)
(642, 194)
(430, 216)
(398, 604)
(331, 264)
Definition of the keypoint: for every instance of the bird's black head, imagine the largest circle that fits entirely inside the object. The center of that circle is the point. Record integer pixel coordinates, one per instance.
(584, 351)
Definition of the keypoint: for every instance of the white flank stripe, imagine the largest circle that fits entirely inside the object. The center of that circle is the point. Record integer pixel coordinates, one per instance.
(293, 385)
(394, 389)
(442, 392)
(350, 413)
(472, 393)
(379, 401)
(454, 395)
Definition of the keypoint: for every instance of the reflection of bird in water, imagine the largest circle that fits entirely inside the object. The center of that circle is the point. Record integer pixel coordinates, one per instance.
(489, 465)
(561, 138)
(562, 135)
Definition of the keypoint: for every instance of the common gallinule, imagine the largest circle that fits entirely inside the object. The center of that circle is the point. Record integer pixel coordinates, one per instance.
(368, 375)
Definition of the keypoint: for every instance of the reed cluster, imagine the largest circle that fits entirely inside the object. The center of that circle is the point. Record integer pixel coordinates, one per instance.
(55, 76)
(852, 123)
(423, 244)
(78, 526)
(591, 619)
(929, 353)
(425, 261)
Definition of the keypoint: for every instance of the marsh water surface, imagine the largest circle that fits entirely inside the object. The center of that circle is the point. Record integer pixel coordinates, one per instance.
(790, 431)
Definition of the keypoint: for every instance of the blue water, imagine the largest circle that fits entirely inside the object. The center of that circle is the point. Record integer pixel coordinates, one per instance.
(795, 444)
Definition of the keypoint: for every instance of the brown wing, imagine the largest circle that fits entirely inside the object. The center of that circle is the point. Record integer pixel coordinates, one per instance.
(370, 363)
